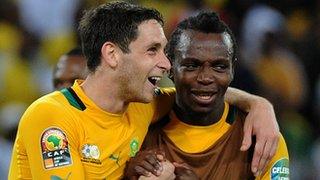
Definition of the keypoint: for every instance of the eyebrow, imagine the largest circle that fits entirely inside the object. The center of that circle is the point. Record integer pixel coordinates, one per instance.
(198, 60)
(155, 44)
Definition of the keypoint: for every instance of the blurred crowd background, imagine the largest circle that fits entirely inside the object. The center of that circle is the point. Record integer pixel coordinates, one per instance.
(279, 58)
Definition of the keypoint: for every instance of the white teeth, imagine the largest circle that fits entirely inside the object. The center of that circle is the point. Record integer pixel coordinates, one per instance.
(156, 78)
(204, 97)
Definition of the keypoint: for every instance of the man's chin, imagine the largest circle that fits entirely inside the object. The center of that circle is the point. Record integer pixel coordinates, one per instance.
(147, 97)
(201, 109)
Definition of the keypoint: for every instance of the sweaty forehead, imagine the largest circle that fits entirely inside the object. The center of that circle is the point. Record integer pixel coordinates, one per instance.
(191, 40)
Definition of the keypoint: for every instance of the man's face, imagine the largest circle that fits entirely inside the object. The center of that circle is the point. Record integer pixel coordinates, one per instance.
(145, 64)
(69, 68)
(202, 70)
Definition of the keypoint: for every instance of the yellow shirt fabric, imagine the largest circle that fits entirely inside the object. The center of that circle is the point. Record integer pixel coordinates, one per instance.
(196, 139)
(56, 139)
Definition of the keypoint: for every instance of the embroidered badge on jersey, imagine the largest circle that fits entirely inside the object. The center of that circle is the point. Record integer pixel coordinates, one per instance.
(54, 147)
(115, 157)
(280, 169)
(90, 153)
(134, 147)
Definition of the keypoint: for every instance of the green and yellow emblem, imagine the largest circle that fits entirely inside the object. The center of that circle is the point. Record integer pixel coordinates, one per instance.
(134, 147)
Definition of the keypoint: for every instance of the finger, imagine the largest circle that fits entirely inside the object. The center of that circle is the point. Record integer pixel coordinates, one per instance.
(152, 160)
(141, 171)
(274, 146)
(181, 165)
(265, 158)
(247, 138)
(148, 167)
(160, 155)
(258, 150)
(272, 152)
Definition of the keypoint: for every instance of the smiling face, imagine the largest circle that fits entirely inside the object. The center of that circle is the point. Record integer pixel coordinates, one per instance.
(202, 71)
(145, 64)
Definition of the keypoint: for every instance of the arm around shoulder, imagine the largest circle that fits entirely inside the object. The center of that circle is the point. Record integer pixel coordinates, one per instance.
(260, 122)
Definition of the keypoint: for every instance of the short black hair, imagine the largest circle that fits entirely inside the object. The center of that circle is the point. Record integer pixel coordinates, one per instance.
(206, 22)
(77, 51)
(116, 22)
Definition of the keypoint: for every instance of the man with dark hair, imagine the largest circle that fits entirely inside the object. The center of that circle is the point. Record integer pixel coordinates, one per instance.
(90, 130)
(203, 132)
(71, 66)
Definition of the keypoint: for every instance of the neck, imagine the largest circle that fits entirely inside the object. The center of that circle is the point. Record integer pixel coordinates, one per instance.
(199, 118)
(103, 91)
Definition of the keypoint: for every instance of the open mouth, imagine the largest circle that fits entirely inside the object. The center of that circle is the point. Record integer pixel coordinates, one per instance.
(203, 97)
(154, 80)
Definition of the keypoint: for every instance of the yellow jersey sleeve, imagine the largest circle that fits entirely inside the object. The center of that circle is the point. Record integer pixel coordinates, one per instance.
(46, 144)
(278, 167)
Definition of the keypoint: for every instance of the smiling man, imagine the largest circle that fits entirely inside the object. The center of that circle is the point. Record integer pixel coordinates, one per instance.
(90, 130)
(202, 135)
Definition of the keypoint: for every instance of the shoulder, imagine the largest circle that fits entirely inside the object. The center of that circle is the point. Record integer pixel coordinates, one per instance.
(282, 150)
(52, 101)
(50, 107)
(278, 166)
(49, 114)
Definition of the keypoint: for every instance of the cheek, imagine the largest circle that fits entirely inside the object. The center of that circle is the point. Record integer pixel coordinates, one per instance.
(183, 77)
(225, 80)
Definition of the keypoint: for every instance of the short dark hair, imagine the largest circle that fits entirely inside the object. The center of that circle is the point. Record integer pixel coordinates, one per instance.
(77, 51)
(116, 22)
(206, 22)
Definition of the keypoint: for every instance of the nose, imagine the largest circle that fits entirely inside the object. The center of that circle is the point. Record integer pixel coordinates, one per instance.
(164, 62)
(205, 76)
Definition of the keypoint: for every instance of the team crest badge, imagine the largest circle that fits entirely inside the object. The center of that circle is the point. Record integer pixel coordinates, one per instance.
(54, 148)
(90, 153)
(134, 147)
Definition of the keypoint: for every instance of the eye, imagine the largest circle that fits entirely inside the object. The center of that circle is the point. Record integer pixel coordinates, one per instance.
(221, 67)
(190, 67)
(152, 51)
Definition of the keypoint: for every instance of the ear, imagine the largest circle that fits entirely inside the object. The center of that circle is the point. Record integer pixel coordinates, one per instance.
(109, 54)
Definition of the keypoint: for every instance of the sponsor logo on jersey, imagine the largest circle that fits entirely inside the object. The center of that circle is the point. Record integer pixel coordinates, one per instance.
(280, 170)
(54, 148)
(90, 153)
(134, 147)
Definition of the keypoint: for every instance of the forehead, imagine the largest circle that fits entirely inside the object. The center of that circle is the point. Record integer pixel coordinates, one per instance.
(71, 64)
(195, 42)
(150, 32)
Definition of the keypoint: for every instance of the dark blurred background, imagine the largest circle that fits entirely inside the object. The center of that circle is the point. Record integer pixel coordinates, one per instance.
(279, 58)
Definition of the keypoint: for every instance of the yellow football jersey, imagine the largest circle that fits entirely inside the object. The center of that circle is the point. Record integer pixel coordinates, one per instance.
(65, 135)
(197, 139)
